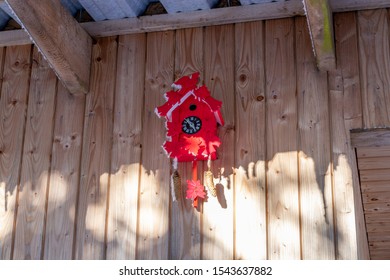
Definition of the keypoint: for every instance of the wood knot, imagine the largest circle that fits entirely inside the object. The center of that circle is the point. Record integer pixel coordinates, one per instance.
(260, 98)
(243, 153)
(229, 127)
(242, 78)
(98, 59)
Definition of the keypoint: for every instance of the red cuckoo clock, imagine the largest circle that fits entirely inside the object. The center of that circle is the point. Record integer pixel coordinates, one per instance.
(192, 117)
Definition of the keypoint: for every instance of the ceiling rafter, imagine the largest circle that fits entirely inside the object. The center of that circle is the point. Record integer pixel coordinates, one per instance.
(60, 38)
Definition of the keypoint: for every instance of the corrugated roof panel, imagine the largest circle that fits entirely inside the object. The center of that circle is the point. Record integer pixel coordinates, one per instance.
(176, 6)
(137, 6)
(93, 9)
(113, 9)
(72, 5)
(6, 13)
(4, 18)
(4, 6)
(249, 2)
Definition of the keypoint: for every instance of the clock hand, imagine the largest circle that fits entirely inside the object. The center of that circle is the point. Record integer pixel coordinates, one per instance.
(191, 124)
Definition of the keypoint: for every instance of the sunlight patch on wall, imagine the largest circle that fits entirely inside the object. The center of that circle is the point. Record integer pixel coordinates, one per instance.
(97, 205)
(122, 214)
(7, 207)
(250, 211)
(94, 226)
(3, 198)
(58, 187)
(345, 217)
(153, 223)
(218, 218)
(316, 209)
(283, 206)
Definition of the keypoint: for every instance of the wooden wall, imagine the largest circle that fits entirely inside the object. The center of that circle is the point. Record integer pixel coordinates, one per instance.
(374, 170)
(86, 177)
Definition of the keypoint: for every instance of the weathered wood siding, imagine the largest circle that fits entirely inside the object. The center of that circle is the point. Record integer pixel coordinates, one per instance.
(86, 178)
(374, 168)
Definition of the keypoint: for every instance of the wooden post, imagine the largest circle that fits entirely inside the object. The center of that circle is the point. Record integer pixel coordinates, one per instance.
(319, 20)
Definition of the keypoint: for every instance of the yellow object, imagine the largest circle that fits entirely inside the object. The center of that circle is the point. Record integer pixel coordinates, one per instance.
(176, 185)
(209, 182)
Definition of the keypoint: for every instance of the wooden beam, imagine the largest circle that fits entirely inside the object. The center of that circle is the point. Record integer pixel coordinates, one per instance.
(320, 22)
(200, 18)
(356, 5)
(165, 22)
(370, 137)
(62, 41)
(14, 38)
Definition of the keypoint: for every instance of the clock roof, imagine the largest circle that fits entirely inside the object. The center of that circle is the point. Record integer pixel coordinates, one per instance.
(184, 88)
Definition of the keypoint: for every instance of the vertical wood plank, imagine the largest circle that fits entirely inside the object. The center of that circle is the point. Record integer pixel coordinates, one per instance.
(251, 234)
(281, 136)
(346, 114)
(97, 143)
(185, 221)
(29, 232)
(374, 51)
(315, 169)
(153, 219)
(13, 107)
(218, 219)
(2, 58)
(3, 194)
(126, 149)
(64, 175)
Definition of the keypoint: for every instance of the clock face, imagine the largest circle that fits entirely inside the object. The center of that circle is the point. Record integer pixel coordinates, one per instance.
(191, 125)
